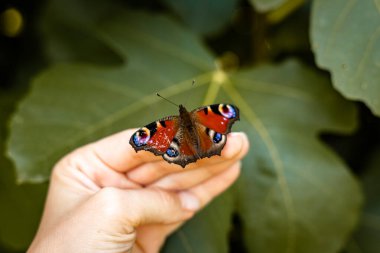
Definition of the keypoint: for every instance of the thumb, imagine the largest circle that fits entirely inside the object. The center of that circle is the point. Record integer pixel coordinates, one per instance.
(137, 207)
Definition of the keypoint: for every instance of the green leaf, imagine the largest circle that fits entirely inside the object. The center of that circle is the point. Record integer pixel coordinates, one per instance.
(289, 177)
(73, 104)
(68, 35)
(345, 39)
(366, 237)
(207, 231)
(21, 206)
(296, 195)
(205, 17)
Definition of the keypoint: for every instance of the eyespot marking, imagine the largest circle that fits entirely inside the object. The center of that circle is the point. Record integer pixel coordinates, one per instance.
(227, 111)
(217, 137)
(171, 152)
(141, 137)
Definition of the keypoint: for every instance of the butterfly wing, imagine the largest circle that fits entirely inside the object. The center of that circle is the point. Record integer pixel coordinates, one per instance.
(177, 144)
(213, 123)
(156, 136)
(217, 117)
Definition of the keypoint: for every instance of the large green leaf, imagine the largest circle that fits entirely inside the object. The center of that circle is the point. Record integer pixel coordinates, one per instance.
(295, 195)
(85, 102)
(21, 206)
(207, 231)
(345, 38)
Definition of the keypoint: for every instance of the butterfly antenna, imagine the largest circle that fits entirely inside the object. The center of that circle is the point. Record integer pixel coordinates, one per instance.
(158, 95)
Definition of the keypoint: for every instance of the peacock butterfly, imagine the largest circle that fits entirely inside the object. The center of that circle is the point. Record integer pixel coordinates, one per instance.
(190, 136)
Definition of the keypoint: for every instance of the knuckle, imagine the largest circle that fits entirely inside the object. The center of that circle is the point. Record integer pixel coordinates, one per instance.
(61, 169)
(69, 162)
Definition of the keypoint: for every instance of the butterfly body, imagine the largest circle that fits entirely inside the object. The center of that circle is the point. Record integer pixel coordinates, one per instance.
(190, 136)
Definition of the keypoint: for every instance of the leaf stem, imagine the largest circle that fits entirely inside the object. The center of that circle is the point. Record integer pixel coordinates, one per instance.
(218, 78)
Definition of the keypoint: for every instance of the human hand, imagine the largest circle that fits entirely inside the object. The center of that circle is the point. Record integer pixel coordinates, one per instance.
(105, 197)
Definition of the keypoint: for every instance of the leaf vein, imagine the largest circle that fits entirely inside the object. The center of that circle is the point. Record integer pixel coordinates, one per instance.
(366, 54)
(339, 22)
(255, 121)
(170, 49)
(274, 89)
(124, 112)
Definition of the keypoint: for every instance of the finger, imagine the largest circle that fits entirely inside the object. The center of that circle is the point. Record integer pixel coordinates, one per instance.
(132, 208)
(116, 152)
(150, 172)
(190, 178)
(236, 147)
(187, 179)
(85, 165)
(208, 190)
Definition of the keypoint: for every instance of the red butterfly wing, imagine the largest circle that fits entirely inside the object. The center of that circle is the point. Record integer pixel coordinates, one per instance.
(218, 117)
(213, 122)
(156, 136)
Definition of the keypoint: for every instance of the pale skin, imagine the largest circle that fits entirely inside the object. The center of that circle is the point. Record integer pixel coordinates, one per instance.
(105, 197)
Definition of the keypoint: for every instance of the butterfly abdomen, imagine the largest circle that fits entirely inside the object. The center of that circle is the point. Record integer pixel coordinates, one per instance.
(190, 139)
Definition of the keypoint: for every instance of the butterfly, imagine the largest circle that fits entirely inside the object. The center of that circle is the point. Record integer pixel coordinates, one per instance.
(190, 136)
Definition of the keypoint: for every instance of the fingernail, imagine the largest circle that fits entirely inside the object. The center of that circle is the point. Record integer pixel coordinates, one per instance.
(240, 135)
(189, 201)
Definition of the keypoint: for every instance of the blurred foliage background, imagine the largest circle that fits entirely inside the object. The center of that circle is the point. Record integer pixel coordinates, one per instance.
(305, 75)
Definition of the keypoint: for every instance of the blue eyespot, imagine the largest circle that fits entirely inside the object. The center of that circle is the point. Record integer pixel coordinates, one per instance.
(217, 138)
(171, 152)
(227, 111)
(141, 137)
